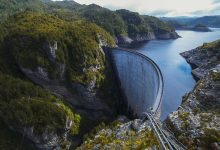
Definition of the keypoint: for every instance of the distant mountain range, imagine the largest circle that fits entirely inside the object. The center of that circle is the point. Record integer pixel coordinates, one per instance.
(210, 21)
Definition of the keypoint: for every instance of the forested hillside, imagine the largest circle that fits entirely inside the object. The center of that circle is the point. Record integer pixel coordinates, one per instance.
(50, 51)
(138, 27)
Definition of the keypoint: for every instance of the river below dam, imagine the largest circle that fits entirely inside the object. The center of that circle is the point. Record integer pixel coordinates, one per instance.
(178, 79)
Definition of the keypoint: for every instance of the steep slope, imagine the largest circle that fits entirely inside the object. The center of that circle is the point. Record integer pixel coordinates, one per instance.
(55, 52)
(66, 59)
(127, 26)
(105, 18)
(31, 117)
(35, 114)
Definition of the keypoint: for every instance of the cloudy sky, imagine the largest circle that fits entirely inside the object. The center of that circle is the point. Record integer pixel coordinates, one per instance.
(162, 7)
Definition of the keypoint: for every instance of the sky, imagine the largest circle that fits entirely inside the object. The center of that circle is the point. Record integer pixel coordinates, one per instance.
(160, 8)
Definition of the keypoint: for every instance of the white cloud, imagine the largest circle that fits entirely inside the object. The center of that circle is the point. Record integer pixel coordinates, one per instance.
(169, 7)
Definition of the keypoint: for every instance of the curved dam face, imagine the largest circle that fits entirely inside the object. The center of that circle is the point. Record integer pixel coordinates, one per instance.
(140, 79)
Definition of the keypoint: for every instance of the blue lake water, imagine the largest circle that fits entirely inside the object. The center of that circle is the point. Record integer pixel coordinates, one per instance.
(176, 71)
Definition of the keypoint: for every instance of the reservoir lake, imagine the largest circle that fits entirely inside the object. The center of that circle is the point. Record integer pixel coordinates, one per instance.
(178, 79)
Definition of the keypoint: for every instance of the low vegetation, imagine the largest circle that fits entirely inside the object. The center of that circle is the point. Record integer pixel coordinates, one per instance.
(212, 45)
(118, 136)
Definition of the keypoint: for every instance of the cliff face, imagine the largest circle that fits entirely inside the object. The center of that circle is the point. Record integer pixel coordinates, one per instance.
(79, 61)
(197, 122)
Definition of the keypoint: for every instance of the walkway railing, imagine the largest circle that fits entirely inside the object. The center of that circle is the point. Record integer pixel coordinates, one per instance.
(166, 142)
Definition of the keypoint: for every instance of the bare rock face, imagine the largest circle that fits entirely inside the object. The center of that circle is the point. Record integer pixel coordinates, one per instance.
(39, 73)
(123, 40)
(144, 37)
(51, 49)
(46, 141)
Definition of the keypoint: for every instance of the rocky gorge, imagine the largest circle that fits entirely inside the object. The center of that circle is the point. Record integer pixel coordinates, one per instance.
(58, 89)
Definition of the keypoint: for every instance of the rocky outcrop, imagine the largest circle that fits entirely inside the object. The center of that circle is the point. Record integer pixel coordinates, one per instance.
(123, 134)
(46, 141)
(144, 37)
(202, 60)
(197, 121)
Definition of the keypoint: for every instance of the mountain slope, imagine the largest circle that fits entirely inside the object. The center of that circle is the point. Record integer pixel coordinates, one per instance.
(66, 59)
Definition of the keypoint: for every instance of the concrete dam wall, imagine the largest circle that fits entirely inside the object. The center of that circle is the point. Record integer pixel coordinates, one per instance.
(140, 79)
